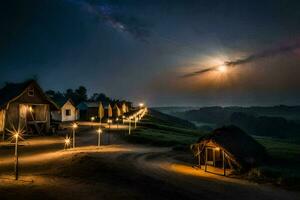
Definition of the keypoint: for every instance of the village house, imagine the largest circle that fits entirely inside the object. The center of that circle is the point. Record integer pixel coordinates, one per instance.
(124, 107)
(88, 110)
(228, 148)
(67, 113)
(117, 112)
(108, 110)
(25, 105)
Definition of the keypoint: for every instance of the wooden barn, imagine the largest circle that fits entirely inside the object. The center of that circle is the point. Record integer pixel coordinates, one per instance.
(67, 113)
(87, 110)
(25, 105)
(228, 148)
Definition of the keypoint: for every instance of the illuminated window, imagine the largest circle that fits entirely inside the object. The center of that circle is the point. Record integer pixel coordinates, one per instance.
(68, 112)
(31, 92)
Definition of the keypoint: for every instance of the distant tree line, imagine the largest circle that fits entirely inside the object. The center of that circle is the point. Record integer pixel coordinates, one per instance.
(262, 121)
(79, 95)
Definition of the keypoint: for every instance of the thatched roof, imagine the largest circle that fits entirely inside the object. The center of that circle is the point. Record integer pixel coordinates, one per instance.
(240, 147)
(12, 90)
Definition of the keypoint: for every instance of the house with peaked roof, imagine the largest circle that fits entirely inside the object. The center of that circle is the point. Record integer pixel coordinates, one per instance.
(116, 111)
(67, 113)
(26, 106)
(88, 110)
(108, 110)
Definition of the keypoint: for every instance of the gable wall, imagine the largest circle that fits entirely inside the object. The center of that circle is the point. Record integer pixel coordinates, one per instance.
(68, 106)
(13, 110)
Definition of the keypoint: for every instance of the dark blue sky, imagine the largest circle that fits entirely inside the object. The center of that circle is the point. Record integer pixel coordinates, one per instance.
(139, 49)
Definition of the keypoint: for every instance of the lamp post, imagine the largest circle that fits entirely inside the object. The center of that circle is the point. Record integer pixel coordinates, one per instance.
(74, 126)
(92, 120)
(123, 117)
(17, 134)
(99, 131)
(109, 122)
(135, 119)
(117, 120)
(129, 126)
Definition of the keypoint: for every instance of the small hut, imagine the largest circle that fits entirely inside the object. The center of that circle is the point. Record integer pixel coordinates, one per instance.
(25, 105)
(67, 112)
(228, 148)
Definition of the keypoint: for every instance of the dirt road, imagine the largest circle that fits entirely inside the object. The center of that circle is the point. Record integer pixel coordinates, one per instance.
(118, 171)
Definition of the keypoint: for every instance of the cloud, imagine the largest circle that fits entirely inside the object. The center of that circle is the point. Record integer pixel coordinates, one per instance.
(250, 59)
(116, 19)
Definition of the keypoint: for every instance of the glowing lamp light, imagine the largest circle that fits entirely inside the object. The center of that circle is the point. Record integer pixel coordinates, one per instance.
(67, 141)
(99, 131)
(217, 149)
(141, 104)
(92, 118)
(222, 68)
(74, 125)
(117, 119)
(30, 109)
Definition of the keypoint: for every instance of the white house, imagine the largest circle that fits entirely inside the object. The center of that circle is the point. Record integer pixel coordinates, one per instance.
(67, 112)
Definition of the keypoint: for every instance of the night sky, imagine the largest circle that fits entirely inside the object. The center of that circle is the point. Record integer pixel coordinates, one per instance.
(147, 50)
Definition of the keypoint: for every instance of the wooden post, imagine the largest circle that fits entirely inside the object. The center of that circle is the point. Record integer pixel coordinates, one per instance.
(73, 137)
(205, 159)
(16, 158)
(214, 156)
(224, 167)
(99, 139)
(129, 127)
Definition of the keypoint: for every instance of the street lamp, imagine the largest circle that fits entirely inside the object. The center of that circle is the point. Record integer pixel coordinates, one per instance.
(16, 134)
(129, 126)
(74, 126)
(92, 120)
(109, 122)
(99, 131)
(123, 117)
(135, 119)
(141, 105)
(117, 120)
(67, 142)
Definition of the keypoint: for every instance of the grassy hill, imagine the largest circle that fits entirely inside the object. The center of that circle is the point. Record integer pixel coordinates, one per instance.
(161, 129)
